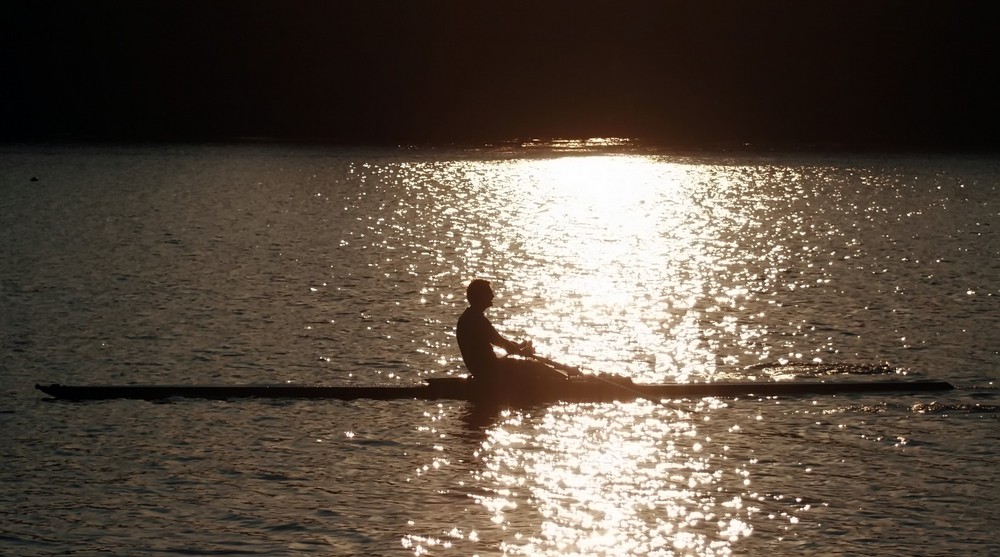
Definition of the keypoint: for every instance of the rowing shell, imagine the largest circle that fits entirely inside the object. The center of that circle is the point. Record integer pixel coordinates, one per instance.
(581, 389)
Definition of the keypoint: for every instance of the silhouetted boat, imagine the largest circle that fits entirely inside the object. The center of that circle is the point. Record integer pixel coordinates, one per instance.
(580, 389)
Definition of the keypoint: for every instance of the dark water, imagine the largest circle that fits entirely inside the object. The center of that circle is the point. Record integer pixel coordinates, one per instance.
(239, 264)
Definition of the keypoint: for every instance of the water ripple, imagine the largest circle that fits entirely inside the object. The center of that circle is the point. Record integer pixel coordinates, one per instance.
(264, 264)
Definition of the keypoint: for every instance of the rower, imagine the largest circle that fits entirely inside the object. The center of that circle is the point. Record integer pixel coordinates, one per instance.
(477, 338)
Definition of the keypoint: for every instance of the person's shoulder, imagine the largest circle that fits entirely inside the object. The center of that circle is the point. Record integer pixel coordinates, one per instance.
(466, 315)
(472, 315)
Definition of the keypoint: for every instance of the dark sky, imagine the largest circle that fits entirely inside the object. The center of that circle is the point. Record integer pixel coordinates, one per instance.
(793, 74)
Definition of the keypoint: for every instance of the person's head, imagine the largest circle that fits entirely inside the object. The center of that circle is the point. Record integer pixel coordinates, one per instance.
(480, 294)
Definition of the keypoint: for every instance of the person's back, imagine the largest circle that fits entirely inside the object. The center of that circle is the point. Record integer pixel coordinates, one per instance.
(475, 336)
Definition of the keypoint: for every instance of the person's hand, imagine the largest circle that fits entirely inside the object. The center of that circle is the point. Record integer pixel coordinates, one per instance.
(526, 348)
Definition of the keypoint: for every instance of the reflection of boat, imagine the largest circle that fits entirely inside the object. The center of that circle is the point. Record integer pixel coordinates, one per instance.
(580, 389)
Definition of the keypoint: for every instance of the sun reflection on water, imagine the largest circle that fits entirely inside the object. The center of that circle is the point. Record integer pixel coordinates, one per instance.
(660, 269)
(610, 259)
(630, 264)
(629, 479)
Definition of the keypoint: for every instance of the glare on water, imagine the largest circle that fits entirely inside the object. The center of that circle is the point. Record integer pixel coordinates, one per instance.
(605, 260)
(239, 264)
(630, 479)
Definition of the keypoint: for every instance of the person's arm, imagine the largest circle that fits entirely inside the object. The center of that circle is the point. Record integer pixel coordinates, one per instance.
(523, 348)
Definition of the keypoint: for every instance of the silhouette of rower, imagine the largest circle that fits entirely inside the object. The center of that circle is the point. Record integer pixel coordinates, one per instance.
(477, 337)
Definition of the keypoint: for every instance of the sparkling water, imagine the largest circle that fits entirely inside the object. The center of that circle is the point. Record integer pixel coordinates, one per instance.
(270, 264)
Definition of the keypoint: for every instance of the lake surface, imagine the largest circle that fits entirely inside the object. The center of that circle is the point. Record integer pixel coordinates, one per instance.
(271, 264)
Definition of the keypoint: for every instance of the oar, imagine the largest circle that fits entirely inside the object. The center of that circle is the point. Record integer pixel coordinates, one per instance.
(576, 371)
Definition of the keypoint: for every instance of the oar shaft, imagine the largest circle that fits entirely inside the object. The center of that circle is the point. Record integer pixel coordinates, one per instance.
(576, 371)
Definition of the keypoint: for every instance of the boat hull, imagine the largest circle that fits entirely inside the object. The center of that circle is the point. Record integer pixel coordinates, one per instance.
(573, 390)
